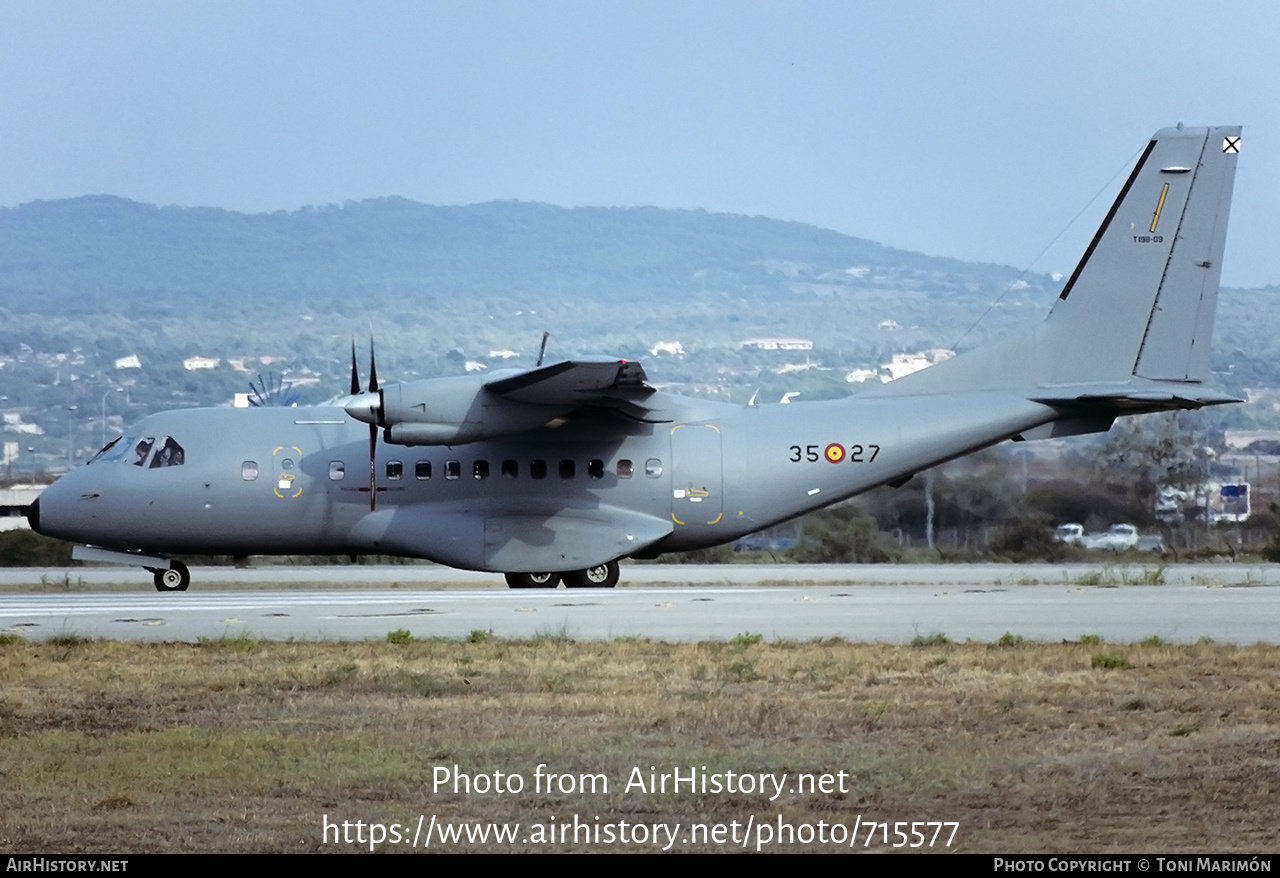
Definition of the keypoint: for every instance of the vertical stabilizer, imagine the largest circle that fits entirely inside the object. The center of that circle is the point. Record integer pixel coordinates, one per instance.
(1139, 307)
(1141, 301)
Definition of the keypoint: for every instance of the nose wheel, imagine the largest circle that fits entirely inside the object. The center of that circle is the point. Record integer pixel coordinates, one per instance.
(175, 577)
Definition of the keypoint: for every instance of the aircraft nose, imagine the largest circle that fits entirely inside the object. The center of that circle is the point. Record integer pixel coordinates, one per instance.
(65, 509)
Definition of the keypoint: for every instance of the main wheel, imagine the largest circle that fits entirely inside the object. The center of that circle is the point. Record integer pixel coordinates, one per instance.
(175, 577)
(600, 576)
(532, 580)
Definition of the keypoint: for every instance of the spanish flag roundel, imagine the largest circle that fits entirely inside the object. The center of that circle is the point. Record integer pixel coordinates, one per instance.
(834, 453)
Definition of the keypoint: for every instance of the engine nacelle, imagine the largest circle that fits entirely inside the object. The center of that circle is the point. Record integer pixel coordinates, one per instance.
(447, 411)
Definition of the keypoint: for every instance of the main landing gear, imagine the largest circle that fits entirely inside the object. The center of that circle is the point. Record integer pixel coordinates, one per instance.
(600, 576)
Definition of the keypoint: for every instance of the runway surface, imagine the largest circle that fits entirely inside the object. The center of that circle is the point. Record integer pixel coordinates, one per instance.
(890, 603)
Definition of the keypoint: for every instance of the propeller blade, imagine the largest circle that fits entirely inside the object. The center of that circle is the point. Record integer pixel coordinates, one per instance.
(543, 350)
(373, 431)
(373, 468)
(355, 374)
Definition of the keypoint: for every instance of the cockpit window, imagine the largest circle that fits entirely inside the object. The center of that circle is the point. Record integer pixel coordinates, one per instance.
(114, 449)
(168, 453)
(141, 450)
(161, 452)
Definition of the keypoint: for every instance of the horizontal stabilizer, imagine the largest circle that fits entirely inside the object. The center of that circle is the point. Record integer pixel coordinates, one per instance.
(1135, 400)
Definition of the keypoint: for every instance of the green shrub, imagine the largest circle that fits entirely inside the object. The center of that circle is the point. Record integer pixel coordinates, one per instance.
(1109, 660)
(25, 548)
(844, 535)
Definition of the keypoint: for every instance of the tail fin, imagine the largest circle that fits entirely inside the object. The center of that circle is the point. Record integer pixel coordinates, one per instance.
(1141, 301)
(1138, 310)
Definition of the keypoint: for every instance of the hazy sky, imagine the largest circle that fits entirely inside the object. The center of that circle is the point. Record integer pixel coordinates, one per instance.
(976, 129)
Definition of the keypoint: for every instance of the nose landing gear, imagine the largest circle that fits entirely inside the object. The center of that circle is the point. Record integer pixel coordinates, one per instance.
(175, 577)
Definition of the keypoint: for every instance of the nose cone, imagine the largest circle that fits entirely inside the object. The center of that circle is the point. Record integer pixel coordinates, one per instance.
(365, 407)
(66, 508)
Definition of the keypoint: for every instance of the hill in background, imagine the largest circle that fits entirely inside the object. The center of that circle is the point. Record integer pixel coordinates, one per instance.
(85, 282)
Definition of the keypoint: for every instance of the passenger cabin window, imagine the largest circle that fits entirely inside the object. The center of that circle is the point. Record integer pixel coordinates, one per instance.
(452, 469)
(249, 470)
(653, 468)
(537, 469)
(422, 469)
(480, 469)
(595, 469)
(567, 469)
(510, 469)
(395, 470)
(624, 469)
(337, 469)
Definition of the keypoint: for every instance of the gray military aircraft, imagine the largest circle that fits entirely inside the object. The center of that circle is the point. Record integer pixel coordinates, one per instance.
(558, 472)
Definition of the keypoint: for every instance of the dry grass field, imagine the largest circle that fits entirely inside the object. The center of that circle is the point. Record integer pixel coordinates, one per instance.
(241, 745)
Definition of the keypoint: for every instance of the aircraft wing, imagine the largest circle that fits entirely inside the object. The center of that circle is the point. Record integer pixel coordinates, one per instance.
(573, 382)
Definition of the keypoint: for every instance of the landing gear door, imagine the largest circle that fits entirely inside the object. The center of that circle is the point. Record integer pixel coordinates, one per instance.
(697, 477)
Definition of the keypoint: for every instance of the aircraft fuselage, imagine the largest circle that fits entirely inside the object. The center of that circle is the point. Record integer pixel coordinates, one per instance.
(296, 480)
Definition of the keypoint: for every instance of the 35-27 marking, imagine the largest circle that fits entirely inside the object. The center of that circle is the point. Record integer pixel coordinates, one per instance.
(834, 453)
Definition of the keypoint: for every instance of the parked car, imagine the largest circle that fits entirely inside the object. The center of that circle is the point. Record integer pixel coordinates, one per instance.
(1151, 543)
(1069, 533)
(1116, 538)
(763, 543)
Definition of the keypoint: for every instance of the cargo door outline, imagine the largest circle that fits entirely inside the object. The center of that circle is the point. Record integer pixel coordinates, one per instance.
(697, 475)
